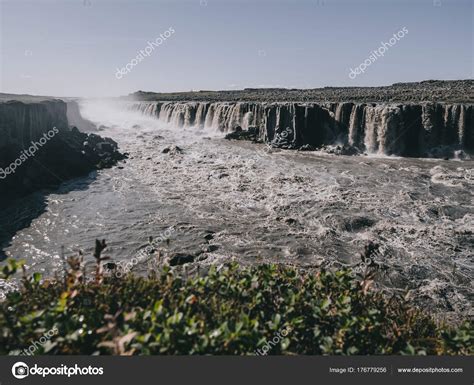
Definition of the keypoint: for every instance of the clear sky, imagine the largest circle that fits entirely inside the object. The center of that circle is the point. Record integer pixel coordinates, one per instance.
(74, 47)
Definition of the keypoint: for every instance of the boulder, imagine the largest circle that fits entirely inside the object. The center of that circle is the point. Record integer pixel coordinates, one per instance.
(251, 134)
(172, 150)
(180, 259)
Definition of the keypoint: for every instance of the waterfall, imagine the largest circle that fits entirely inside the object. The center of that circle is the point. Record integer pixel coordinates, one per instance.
(378, 128)
(356, 128)
(372, 122)
(247, 120)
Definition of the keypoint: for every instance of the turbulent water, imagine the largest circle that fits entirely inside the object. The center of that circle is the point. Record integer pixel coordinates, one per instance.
(308, 209)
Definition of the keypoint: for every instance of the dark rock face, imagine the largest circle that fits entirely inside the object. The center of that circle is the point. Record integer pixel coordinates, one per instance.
(38, 149)
(415, 130)
(21, 123)
(284, 138)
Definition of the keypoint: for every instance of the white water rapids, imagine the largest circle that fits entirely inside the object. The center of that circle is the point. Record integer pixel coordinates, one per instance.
(284, 206)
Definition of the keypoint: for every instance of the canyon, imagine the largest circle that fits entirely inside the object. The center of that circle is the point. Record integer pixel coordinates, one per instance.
(225, 200)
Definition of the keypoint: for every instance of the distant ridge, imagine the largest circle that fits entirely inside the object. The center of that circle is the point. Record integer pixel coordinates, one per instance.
(448, 91)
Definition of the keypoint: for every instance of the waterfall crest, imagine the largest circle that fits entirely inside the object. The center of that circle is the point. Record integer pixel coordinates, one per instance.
(389, 129)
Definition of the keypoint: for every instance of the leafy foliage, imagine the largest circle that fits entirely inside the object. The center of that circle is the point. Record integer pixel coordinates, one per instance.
(227, 310)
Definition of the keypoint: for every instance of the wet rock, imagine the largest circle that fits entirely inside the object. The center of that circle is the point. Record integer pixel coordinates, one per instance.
(172, 150)
(251, 134)
(344, 149)
(110, 266)
(209, 236)
(105, 147)
(180, 259)
(211, 248)
(461, 155)
(307, 147)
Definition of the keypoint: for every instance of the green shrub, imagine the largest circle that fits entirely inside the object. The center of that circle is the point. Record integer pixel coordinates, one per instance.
(234, 310)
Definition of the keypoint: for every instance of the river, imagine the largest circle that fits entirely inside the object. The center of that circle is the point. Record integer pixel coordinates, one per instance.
(232, 200)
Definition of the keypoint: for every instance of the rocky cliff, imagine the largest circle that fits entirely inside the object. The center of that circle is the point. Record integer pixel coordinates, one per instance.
(38, 148)
(419, 129)
(24, 121)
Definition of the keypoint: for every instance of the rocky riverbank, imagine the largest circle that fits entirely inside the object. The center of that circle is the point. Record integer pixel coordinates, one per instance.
(39, 149)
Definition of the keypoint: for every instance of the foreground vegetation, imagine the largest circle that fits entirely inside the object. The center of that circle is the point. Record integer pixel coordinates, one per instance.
(231, 310)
